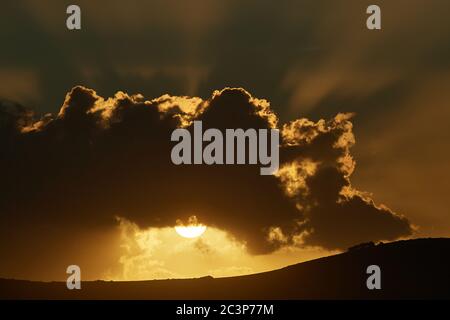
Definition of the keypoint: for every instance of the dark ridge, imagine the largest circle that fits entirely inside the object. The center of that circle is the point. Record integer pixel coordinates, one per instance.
(410, 269)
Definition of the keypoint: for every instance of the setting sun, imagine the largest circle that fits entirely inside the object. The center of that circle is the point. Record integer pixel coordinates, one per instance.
(190, 231)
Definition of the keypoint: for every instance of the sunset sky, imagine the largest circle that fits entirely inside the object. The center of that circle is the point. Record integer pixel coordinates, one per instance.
(86, 117)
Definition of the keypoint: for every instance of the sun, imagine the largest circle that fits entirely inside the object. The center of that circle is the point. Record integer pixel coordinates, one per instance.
(192, 230)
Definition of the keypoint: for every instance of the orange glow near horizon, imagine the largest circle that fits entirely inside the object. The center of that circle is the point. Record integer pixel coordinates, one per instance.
(161, 253)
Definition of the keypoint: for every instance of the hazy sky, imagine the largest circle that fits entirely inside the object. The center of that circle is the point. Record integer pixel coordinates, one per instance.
(309, 59)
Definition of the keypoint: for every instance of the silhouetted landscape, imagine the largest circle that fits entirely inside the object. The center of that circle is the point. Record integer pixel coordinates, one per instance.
(410, 269)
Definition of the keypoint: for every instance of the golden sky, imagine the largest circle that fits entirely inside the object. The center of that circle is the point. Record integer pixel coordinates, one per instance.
(363, 117)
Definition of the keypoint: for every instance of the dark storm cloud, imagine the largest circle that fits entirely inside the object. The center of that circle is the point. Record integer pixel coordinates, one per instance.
(99, 158)
(336, 215)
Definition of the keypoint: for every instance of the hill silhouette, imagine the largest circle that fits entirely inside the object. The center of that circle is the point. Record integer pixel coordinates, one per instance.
(410, 269)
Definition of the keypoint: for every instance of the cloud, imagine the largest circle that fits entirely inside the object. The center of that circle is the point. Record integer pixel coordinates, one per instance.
(100, 158)
(318, 177)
